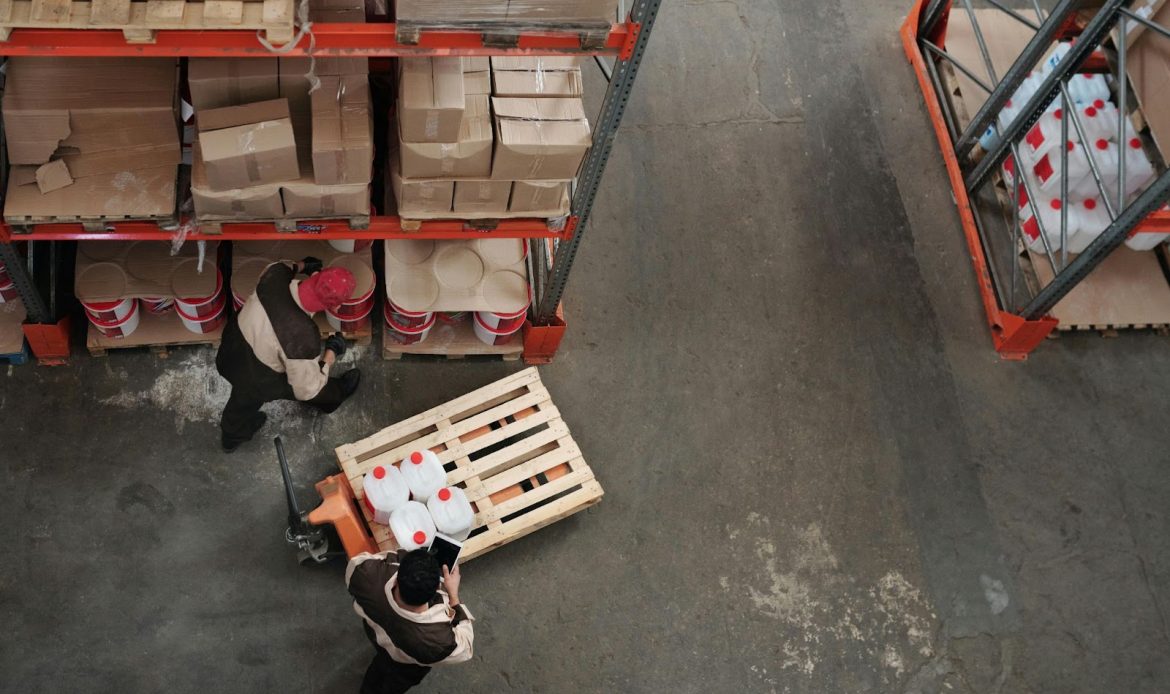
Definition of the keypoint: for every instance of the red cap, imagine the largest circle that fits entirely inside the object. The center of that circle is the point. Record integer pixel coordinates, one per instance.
(1102, 144)
(1091, 112)
(1090, 204)
(1070, 145)
(1058, 113)
(444, 494)
(1009, 103)
(416, 458)
(379, 472)
(1055, 204)
(1099, 103)
(326, 289)
(1135, 143)
(419, 537)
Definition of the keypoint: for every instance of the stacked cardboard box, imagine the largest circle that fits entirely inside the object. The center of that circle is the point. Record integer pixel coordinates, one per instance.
(480, 139)
(520, 12)
(283, 138)
(94, 138)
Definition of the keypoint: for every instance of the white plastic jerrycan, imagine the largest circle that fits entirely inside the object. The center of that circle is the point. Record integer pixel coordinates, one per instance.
(452, 512)
(424, 474)
(385, 490)
(412, 526)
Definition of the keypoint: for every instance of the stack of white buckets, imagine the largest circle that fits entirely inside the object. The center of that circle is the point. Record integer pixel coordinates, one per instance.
(119, 319)
(413, 499)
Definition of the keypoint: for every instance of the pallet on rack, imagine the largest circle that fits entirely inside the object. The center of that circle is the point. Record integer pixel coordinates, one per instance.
(503, 34)
(505, 440)
(159, 332)
(139, 20)
(16, 358)
(453, 341)
(13, 347)
(301, 224)
(362, 337)
(26, 225)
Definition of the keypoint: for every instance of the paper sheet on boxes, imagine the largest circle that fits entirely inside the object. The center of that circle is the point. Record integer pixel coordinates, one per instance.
(112, 270)
(249, 258)
(479, 275)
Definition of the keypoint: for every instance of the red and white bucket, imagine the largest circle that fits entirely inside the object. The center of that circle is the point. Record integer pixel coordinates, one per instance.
(237, 302)
(157, 305)
(350, 245)
(357, 308)
(5, 278)
(8, 292)
(350, 324)
(109, 311)
(404, 334)
(494, 336)
(203, 324)
(204, 307)
(453, 317)
(118, 327)
(507, 322)
(408, 319)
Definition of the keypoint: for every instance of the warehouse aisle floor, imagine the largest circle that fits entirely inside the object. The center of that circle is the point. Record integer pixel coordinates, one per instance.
(819, 476)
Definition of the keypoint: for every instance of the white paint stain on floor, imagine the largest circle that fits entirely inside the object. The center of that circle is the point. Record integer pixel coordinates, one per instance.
(828, 610)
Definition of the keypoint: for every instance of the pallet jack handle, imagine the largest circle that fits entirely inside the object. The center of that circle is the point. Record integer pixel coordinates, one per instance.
(295, 520)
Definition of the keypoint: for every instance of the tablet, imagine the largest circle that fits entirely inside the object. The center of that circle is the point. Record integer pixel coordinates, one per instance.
(446, 550)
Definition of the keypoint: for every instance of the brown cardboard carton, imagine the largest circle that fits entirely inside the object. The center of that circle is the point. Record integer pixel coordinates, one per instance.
(470, 157)
(430, 99)
(1148, 64)
(304, 198)
(248, 145)
(546, 197)
(553, 11)
(482, 196)
(477, 76)
(539, 138)
(522, 76)
(142, 193)
(343, 133)
(122, 109)
(256, 202)
(421, 196)
(442, 12)
(220, 82)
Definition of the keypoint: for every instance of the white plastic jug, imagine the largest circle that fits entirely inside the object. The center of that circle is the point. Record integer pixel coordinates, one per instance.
(1045, 135)
(1091, 219)
(412, 526)
(1056, 56)
(452, 512)
(1138, 170)
(385, 490)
(1049, 211)
(1097, 123)
(1145, 242)
(1048, 170)
(424, 474)
(1086, 88)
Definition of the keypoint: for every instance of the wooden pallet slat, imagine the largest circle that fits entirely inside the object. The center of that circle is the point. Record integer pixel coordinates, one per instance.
(517, 407)
(453, 341)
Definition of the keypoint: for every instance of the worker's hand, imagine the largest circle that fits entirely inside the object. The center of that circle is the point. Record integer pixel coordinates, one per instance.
(451, 582)
(311, 265)
(336, 343)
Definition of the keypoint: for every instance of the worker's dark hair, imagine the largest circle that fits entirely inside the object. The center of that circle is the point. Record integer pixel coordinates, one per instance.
(418, 577)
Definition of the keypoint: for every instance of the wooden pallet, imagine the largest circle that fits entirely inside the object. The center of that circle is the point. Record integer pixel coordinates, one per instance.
(303, 224)
(497, 438)
(361, 337)
(16, 358)
(502, 34)
(139, 20)
(453, 341)
(25, 225)
(414, 222)
(158, 332)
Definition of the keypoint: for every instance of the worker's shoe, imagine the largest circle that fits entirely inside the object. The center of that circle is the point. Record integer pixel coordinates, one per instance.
(230, 445)
(349, 382)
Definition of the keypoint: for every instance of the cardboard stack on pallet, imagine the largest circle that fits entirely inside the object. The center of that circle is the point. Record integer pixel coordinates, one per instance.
(283, 138)
(94, 139)
(480, 139)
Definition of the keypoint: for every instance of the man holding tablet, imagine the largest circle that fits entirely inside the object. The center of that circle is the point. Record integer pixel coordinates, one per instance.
(412, 621)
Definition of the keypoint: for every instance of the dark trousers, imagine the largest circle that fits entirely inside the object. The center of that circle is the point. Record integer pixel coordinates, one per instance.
(385, 676)
(253, 384)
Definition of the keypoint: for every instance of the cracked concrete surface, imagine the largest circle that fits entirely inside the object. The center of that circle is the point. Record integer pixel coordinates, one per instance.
(819, 477)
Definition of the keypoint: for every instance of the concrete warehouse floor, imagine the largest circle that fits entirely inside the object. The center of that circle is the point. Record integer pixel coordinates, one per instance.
(819, 476)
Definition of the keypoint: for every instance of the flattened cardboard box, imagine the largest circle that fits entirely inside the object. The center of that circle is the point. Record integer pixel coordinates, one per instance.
(138, 194)
(470, 157)
(343, 132)
(542, 198)
(113, 270)
(256, 202)
(251, 258)
(430, 99)
(423, 197)
(220, 82)
(120, 108)
(521, 76)
(248, 145)
(477, 275)
(539, 139)
(481, 197)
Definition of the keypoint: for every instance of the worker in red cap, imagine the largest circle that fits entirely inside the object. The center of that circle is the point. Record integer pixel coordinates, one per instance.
(272, 349)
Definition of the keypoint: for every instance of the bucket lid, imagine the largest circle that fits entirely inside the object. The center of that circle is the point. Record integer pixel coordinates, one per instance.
(186, 275)
(405, 330)
(117, 321)
(104, 305)
(398, 309)
(363, 274)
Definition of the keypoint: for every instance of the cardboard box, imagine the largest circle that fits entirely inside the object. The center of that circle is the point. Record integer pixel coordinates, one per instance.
(546, 197)
(119, 110)
(539, 139)
(304, 198)
(482, 196)
(556, 76)
(421, 196)
(562, 11)
(220, 82)
(138, 194)
(343, 133)
(1148, 62)
(430, 99)
(470, 157)
(443, 12)
(477, 76)
(248, 145)
(256, 202)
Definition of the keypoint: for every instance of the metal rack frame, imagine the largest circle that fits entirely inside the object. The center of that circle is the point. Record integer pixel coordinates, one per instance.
(625, 44)
(1019, 326)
